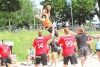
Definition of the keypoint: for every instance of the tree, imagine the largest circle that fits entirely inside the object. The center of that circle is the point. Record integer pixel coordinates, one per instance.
(97, 8)
(9, 6)
(81, 9)
(21, 17)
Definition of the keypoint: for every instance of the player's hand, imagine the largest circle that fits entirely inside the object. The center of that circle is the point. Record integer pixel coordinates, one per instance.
(48, 7)
(36, 16)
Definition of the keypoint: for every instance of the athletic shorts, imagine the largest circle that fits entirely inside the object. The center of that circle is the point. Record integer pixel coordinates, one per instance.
(98, 50)
(41, 58)
(84, 51)
(5, 60)
(72, 59)
(50, 30)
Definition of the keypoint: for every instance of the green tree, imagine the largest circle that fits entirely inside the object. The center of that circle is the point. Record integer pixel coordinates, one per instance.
(57, 7)
(96, 8)
(80, 8)
(9, 6)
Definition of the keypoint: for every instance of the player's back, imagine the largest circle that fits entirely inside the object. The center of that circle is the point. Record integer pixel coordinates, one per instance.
(68, 44)
(41, 45)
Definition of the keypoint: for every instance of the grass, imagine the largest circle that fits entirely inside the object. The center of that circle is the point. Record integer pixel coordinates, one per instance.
(24, 39)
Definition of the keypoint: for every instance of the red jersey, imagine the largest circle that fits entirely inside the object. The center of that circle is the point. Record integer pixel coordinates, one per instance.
(4, 50)
(67, 43)
(41, 44)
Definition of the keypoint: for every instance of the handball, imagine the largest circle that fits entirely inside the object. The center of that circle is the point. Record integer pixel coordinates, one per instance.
(48, 7)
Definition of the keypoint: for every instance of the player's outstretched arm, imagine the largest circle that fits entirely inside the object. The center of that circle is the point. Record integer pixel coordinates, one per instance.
(48, 7)
(38, 17)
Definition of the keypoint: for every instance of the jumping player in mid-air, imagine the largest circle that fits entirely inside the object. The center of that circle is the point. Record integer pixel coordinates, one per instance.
(45, 19)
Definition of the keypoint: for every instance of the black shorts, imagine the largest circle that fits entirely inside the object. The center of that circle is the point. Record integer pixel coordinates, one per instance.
(59, 51)
(41, 58)
(98, 50)
(72, 59)
(50, 30)
(5, 60)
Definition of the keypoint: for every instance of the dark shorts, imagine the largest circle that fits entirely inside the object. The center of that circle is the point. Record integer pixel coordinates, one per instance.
(72, 59)
(31, 57)
(5, 60)
(98, 50)
(84, 51)
(59, 51)
(50, 30)
(41, 58)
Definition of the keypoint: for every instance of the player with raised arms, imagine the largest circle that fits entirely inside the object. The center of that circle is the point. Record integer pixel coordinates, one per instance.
(45, 19)
(40, 44)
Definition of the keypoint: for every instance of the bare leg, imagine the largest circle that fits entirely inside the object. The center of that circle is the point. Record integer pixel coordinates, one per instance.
(28, 59)
(37, 65)
(65, 65)
(74, 65)
(98, 55)
(82, 61)
(9, 65)
(3, 66)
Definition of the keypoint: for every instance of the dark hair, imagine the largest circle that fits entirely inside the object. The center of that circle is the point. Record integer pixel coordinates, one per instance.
(3, 40)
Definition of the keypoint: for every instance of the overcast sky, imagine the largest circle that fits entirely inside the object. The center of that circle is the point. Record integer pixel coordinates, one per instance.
(37, 2)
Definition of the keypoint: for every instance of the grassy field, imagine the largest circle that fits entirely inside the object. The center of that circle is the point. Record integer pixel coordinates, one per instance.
(24, 39)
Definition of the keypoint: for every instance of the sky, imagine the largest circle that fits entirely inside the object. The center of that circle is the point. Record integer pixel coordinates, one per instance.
(37, 2)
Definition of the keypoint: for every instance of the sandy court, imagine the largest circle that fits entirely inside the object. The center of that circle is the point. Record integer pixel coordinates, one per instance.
(93, 62)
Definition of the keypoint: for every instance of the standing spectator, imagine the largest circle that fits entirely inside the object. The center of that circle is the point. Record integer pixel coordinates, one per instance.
(30, 55)
(83, 49)
(67, 42)
(54, 49)
(5, 54)
(40, 45)
(97, 47)
(59, 52)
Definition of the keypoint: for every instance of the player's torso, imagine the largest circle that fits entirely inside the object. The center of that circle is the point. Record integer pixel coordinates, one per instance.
(41, 46)
(68, 45)
(4, 50)
(47, 22)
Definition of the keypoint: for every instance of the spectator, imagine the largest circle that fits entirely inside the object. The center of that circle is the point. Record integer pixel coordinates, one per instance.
(54, 50)
(5, 54)
(30, 55)
(97, 47)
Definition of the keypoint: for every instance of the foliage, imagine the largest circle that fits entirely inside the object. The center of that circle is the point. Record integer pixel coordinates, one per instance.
(80, 8)
(22, 14)
(10, 5)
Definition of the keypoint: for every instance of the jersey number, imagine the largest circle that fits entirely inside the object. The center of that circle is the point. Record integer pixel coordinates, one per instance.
(69, 43)
(40, 45)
